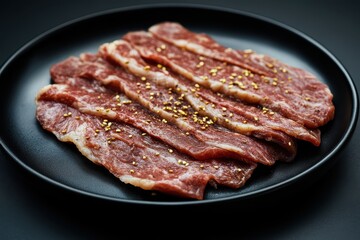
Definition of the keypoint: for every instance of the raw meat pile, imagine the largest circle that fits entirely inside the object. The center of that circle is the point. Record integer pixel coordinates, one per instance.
(173, 111)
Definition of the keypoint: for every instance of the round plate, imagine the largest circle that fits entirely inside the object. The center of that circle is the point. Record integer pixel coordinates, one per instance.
(61, 164)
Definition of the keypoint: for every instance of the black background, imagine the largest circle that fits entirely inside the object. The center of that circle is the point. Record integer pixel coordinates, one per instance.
(327, 209)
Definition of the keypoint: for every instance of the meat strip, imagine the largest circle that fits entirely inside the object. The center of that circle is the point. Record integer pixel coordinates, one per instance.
(303, 99)
(205, 45)
(82, 95)
(231, 113)
(159, 100)
(124, 55)
(139, 160)
(214, 142)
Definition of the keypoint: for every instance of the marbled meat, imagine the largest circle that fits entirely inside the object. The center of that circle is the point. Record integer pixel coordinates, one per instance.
(174, 111)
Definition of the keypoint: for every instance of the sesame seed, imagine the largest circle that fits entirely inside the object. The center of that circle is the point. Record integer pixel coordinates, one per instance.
(269, 65)
(200, 64)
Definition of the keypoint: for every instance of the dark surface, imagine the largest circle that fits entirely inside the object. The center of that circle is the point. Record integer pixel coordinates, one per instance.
(328, 208)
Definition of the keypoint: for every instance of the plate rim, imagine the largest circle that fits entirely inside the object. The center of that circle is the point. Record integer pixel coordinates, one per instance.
(339, 146)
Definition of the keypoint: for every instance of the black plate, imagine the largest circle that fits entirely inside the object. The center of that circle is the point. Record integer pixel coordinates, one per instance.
(61, 164)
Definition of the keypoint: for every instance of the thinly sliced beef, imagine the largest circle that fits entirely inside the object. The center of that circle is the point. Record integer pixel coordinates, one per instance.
(139, 160)
(262, 117)
(174, 111)
(172, 108)
(117, 107)
(300, 96)
(229, 112)
(205, 45)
